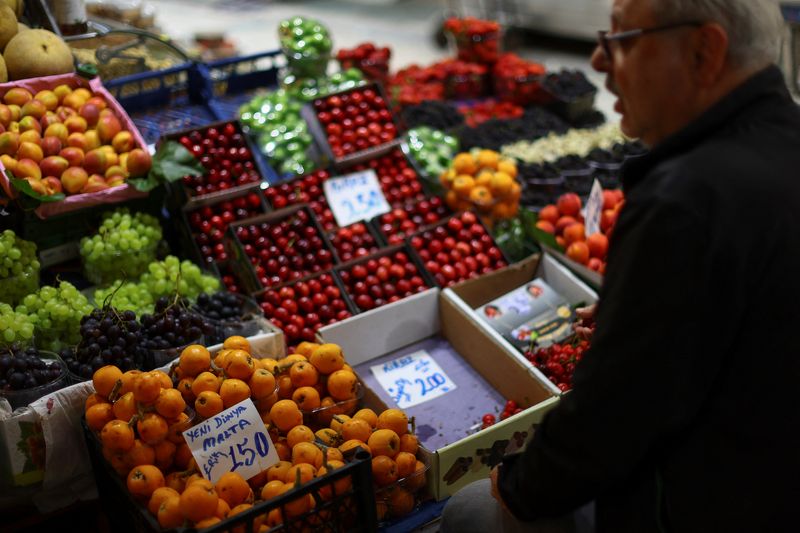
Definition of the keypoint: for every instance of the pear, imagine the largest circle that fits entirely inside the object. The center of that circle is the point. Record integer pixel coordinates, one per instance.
(8, 25)
(3, 71)
(17, 6)
(35, 53)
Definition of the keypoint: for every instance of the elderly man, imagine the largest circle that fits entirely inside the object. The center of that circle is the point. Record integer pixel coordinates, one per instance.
(685, 414)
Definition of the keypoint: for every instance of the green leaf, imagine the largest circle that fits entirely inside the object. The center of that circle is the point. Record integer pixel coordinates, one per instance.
(529, 219)
(170, 163)
(25, 188)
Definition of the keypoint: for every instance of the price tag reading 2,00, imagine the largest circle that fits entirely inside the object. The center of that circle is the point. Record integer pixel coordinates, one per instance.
(235, 440)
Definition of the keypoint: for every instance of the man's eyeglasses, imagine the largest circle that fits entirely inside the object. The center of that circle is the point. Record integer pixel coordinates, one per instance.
(604, 37)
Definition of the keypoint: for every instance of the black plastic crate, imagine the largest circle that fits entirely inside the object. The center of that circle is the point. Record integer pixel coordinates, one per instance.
(234, 81)
(352, 510)
(165, 100)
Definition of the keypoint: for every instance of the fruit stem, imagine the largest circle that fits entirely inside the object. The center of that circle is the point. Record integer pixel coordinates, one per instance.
(114, 394)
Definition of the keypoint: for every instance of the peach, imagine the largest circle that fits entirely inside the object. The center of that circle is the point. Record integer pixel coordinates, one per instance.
(37, 186)
(108, 126)
(138, 162)
(123, 160)
(27, 168)
(31, 136)
(90, 112)
(61, 91)
(52, 185)
(17, 96)
(95, 161)
(9, 143)
(115, 180)
(574, 232)
(63, 113)
(57, 130)
(49, 119)
(16, 111)
(112, 159)
(123, 142)
(563, 223)
(607, 219)
(51, 146)
(99, 101)
(29, 150)
(34, 108)
(92, 140)
(5, 115)
(74, 155)
(547, 226)
(609, 199)
(74, 179)
(549, 213)
(569, 204)
(14, 126)
(73, 100)
(48, 98)
(9, 163)
(94, 184)
(83, 93)
(30, 123)
(76, 124)
(78, 140)
(578, 251)
(116, 170)
(54, 165)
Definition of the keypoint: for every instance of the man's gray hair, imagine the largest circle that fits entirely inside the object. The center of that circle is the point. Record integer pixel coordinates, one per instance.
(754, 27)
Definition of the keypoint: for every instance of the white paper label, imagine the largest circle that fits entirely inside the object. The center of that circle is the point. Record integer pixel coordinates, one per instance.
(355, 197)
(235, 440)
(593, 210)
(413, 379)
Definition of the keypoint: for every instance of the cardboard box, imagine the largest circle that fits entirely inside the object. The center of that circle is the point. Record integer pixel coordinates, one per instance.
(469, 295)
(476, 363)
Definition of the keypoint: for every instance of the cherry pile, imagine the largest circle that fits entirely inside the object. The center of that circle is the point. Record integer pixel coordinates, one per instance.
(457, 249)
(558, 361)
(208, 223)
(353, 241)
(511, 408)
(398, 179)
(376, 281)
(23, 368)
(355, 120)
(411, 216)
(302, 307)
(223, 152)
(373, 61)
(305, 189)
(285, 249)
(229, 278)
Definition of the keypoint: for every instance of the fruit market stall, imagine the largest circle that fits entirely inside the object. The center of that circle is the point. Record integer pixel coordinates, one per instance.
(345, 259)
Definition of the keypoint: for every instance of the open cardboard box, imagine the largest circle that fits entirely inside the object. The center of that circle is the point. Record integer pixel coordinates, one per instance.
(467, 296)
(484, 373)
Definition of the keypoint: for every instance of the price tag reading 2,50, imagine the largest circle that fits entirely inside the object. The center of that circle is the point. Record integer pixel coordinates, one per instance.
(235, 440)
(355, 197)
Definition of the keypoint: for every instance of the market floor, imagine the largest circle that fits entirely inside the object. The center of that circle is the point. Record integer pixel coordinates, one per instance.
(407, 26)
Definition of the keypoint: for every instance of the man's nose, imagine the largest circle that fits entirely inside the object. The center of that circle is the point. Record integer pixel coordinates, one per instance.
(599, 60)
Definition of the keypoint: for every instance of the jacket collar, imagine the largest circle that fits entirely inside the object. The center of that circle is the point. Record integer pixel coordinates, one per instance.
(768, 82)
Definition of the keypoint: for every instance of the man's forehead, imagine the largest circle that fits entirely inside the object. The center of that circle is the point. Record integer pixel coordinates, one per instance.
(638, 10)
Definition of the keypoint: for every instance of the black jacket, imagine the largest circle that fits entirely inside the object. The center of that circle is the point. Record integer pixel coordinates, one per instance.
(685, 413)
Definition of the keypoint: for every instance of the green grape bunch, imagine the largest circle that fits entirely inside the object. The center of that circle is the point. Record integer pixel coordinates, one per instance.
(122, 247)
(15, 327)
(19, 268)
(56, 314)
(161, 278)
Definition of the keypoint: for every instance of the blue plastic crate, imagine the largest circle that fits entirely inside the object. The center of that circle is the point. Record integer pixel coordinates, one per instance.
(166, 100)
(234, 81)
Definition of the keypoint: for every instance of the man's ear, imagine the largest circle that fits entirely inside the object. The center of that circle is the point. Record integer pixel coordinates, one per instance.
(710, 52)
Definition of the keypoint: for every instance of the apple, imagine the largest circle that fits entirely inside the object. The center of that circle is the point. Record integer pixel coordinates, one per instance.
(74, 155)
(52, 185)
(54, 165)
(90, 112)
(74, 179)
(28, 168)
(29, 150)
(51, 146)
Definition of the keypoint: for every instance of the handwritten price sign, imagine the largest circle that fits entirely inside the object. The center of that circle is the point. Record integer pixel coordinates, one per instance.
(593, 209)
(355, 197)
(235, 440)
(413, 379)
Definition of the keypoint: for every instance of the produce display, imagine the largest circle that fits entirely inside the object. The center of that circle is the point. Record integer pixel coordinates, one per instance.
(382, 279)
(476, 40)
(302, 307)
(304, 189)
(26, 374)
(518, 81)
(481, 180)
(209, 223)
(398, 179)
(162, 278)
(16, 327)
(353, 241)
(224, 153)
(30, 53)
(555, 145)
(373, 61)
(122, 247)
(67, 141)
(284, 248)
(495, 133)
(509, 409)
(307, 45)
(557, 361)
(355, 120)
(431, 149)
(56, 313)
(457, 249)
(19, 268)
(409, 217)
(434, 114)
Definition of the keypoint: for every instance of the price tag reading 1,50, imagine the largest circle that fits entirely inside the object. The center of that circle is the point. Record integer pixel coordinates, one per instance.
(355, 197)
(235, 440)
